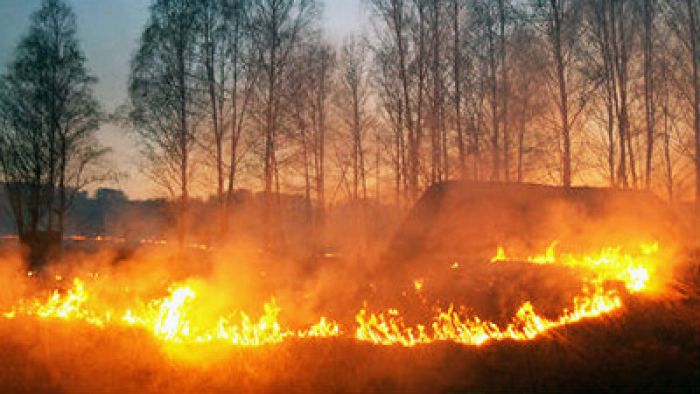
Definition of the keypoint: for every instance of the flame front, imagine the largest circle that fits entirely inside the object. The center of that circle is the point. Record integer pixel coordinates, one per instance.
(177, 317)
(610, 264)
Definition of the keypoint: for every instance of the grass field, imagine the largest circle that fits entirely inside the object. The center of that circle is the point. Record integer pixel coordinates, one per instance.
(649, 346)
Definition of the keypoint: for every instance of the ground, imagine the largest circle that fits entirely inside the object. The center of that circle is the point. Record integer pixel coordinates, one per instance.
(650, 346)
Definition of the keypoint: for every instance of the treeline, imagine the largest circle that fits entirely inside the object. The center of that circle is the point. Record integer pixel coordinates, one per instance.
(564, 92)
(556, 91)
(232, 93)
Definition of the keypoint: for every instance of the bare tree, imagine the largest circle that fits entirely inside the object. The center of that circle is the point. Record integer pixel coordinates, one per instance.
(649, 15)
(244, 72)
(395, 15)
(561, 28)
(276, 27)
(166, 96)
(692, 44)
(457, 60)
(353, 93)
(49, 117)
(214, 30)
(683, 21)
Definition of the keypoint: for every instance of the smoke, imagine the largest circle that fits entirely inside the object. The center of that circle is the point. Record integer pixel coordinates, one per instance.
(438, 256)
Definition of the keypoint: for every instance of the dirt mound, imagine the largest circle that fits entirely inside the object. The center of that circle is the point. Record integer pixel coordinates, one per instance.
(464, 220)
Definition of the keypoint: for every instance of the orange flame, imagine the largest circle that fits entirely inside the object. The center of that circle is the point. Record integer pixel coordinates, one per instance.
(176, 317)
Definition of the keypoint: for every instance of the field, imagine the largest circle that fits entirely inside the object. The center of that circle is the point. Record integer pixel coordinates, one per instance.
(648, 347)
(650, 344)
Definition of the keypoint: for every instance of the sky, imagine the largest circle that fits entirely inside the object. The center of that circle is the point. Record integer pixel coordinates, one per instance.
(109, 32)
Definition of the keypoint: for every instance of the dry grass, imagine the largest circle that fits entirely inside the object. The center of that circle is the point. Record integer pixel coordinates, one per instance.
(649, 346)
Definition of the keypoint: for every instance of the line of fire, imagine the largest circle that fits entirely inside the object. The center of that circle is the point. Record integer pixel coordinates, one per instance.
(356, 196)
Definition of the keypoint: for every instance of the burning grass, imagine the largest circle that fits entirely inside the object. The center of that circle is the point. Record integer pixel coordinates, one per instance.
(121, 329)
(184, 315)
(647, 346)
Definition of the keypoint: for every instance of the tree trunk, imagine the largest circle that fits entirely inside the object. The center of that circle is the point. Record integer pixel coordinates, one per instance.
(495, 150)
(184, 148)
(456, 63)
(408, 118)
(649, 107)
(563, 93)
(504, 92)
(235, 129)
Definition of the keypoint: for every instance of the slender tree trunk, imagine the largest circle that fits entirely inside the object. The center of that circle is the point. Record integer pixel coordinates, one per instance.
(667, 152)
(399, 156)
(457, 71)
(624, 62)
(521, 138)
(62, 186)
(411, 169)
(210, 58)
(307, 171)
(377, 168)
(184, 148)
(53, 133)
(616, 88)
(609, 84)
(436, 170)
(476, 147)
(563, 92)
(270, 124)
(355, 141)
(504, 91)
(495, 146)
(649, 107)
(420, 100)
(321, 143)
(235, 123)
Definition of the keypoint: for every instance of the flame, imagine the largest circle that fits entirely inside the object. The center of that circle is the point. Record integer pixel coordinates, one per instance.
(500, 255)
(418, 284)
(324, 328)
(611, 263)
(173, 318)
(178, 317)
(389, 328)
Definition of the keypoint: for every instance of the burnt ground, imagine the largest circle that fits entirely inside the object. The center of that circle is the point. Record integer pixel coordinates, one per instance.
(649, 346)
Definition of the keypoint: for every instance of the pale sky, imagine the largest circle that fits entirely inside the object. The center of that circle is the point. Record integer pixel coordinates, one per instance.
(109, 31)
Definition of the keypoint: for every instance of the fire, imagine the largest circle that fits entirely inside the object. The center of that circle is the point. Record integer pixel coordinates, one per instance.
(610, 264)
(500, 255)
(173, 318)
(418, 284)
(389, 328)
(178, 317)
(68, 306)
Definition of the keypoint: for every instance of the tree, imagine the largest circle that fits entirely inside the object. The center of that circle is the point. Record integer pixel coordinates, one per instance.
(692, 44)
(561, 29)
(683, 21)
(166, 97)
(649, 15)
(395, 16)
(49, 116)
(214, 29)
(243, 77)
(353, 94)
(276, 27)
